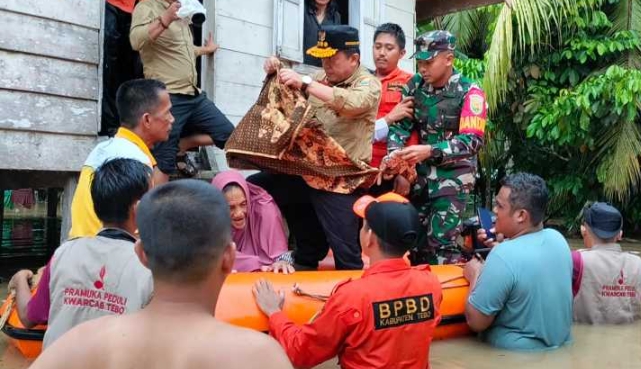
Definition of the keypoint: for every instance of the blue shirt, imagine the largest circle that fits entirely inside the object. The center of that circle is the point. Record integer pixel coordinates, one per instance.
(527, 284)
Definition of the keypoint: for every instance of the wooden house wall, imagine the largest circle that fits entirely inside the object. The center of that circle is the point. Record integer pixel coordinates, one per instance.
(49, 83)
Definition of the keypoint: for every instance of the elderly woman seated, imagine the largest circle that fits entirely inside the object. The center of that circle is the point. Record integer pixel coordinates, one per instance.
(257, 225)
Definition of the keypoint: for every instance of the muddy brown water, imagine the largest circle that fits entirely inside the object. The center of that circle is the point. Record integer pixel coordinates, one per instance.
(616, 347)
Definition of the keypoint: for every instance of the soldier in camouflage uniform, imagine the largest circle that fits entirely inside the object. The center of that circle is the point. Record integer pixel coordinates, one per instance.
(449, 114)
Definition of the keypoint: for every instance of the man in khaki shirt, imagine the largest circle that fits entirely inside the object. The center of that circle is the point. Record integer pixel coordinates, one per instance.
(346, 97)
(168, 54)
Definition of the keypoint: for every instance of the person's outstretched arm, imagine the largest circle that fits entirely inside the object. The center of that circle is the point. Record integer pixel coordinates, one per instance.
(32, 310)
(313, 343)
(490, 286)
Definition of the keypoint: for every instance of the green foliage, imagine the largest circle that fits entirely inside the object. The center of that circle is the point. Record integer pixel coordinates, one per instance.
(471, 68)
(523, 27)
(565, 116)
(563, 79)
(626, 16)
(620, 160)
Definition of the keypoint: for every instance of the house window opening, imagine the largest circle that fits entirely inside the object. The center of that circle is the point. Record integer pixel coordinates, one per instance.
(336, 12)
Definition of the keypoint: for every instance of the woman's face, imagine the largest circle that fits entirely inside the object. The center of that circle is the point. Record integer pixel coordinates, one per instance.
(237, 207)
(322, 2)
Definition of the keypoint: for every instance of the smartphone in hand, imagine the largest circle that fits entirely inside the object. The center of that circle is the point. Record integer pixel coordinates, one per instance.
(485, 218)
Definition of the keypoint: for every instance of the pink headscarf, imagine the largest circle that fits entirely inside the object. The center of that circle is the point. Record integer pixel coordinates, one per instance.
(263, 238)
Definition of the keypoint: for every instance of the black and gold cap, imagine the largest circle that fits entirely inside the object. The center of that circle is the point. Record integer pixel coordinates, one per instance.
(332, 39)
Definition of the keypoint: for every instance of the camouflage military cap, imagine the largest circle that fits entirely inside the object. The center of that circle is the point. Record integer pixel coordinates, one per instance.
(429, 44)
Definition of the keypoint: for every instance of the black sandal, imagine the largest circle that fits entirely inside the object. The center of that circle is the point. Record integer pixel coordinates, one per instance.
(186, 166)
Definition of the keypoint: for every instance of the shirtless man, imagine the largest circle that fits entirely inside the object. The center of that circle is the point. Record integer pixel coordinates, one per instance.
(185, 233)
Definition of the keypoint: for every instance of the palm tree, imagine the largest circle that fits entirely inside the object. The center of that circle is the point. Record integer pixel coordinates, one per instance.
(626, 16)
(524, 27)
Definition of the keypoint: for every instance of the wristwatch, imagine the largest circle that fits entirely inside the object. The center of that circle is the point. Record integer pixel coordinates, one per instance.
(307, 80)
(437, 155)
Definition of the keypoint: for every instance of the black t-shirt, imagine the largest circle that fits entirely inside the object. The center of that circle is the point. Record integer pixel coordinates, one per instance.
(311, 31)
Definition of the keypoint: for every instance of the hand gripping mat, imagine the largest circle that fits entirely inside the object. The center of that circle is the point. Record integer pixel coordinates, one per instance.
(280, 134)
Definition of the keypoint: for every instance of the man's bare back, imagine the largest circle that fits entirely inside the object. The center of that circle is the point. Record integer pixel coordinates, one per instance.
(185, 240)
(159, 340)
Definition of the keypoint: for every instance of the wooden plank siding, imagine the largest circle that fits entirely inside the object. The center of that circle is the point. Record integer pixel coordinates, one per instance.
(401, 12)
(245, 37)
(234, 98)
(260, 12)
(404, 5)
(243, 30)
(27, 111)
(85, 13)
(248, 68)
(24, 150)
(27, 72)
(29, 34)
(49, 83)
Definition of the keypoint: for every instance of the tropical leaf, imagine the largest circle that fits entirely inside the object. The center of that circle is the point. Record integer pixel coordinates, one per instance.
(619, 170)
(533, 22)
(626, 16)
(500, 59)
(465, 26)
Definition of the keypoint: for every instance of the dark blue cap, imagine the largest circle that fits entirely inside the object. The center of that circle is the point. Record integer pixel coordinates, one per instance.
(604, 220)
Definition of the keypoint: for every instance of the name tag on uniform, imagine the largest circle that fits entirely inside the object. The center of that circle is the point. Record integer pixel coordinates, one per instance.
(402, 311)
(395, 86)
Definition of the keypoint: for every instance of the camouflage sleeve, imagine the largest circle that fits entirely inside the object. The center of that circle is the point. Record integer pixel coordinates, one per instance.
(471, 129)
(399, 132)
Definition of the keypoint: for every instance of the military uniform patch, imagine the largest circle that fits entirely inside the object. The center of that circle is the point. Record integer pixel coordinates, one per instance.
(476, 104)
(402, 311)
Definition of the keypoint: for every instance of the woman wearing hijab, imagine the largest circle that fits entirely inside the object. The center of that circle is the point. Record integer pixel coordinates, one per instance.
(257, 225)
(317, 13)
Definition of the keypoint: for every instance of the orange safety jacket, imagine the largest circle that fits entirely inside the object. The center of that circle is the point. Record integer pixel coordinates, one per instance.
(391, 86)
(385, 319)
(124, 5)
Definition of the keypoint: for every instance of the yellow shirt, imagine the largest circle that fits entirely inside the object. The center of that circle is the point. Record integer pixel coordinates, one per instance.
(171, 58)
(126, 144)
(349, 117)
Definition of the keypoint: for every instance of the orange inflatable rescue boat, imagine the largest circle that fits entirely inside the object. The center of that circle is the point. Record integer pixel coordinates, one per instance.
(305, 295)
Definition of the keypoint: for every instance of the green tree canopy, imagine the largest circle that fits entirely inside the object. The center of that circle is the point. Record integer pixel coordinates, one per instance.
(563, 82)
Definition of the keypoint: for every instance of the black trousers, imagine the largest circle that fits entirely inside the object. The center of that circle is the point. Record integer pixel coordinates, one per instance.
(193, 114)
(120, 64)
(319, 220)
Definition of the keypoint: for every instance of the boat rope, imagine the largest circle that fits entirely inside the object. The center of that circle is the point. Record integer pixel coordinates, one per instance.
(299, 292)
(452, 279)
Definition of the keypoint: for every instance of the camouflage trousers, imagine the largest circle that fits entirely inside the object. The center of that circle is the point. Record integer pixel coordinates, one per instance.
(440, 209)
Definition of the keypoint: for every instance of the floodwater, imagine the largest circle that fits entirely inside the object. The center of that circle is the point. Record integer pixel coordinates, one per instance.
(28, 239)
(616, 347)
(612, 347)
(27, 243)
